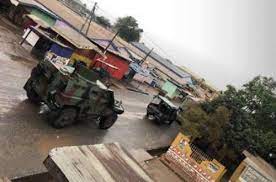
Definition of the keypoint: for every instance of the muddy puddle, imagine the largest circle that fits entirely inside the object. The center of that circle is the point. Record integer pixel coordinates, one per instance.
(12, 57)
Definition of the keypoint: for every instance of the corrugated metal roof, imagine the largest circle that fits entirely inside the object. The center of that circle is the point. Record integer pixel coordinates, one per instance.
(73, 36)
(69, 33)
(34, 4)
(102, 162)
(96, 31)
(162, 60)
(45, 34)
(104, 43)
(113, 48)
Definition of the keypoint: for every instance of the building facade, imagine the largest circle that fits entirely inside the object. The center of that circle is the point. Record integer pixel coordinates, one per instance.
(253, 169)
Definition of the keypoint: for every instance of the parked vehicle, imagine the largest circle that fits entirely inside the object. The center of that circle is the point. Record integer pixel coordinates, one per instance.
(162, 110)
(72, 94)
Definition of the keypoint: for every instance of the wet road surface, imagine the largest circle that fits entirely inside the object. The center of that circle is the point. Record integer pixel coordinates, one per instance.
(25, 136)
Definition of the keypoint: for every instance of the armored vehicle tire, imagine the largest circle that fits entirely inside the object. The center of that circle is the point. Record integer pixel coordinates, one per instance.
(107, 121)
(31, 94)
(64, 118)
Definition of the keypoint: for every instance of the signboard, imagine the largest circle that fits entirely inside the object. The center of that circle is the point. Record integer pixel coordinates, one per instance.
(32, 37)
(58, 61)
(252, 175)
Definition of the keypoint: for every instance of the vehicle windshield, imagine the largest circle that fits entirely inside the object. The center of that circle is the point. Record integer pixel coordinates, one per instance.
(156, 100)
(165, 108)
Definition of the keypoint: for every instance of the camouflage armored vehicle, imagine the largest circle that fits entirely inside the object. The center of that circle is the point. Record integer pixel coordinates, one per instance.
(72, 94)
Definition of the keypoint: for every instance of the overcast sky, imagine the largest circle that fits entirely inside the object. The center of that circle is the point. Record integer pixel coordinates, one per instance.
(225, 41)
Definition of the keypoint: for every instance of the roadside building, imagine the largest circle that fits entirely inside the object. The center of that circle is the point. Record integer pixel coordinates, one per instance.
(252, 169)
(117, 56)
(42, 42)
(64, 41)
(125, 62)
(162, 68)
(190, 163)
(142, 74)
(84, 50)
(202, 88)
(19, 9)
(170, 89)
(165, 67)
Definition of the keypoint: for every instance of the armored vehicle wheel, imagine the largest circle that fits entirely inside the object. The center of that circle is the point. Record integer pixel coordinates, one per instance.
(107, 121)
(31, 94)
(64, 118)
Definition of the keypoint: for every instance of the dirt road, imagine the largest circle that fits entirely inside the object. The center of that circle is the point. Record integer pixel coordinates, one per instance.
(25, 136)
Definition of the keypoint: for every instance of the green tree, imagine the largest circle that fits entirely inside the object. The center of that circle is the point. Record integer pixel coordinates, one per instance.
(253, 121)
(128, 29)
(103, 21)
(205, 128)
(251, 124)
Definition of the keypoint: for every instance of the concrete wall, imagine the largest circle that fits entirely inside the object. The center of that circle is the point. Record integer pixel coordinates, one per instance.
(235, 176)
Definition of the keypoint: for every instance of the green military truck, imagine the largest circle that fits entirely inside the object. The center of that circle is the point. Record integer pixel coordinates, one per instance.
(162, 110)
(72, 94)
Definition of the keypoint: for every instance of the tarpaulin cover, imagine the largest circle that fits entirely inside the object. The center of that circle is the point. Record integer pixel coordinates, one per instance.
(65, 52)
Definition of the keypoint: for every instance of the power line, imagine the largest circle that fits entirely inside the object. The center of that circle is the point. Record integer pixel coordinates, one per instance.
(145, 36)
(159, 48)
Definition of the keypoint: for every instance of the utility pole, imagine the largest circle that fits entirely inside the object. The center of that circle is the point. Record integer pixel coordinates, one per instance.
(144, 59)
(92, 16)
(111, 42)
(86, 19)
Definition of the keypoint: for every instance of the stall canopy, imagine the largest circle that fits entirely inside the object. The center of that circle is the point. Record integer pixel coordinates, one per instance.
(73, 36)
(65, 52)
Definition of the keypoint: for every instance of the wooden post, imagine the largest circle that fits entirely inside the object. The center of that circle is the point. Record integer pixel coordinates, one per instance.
(21, 43)
(144, 59)
(83, 25)
(91, 17)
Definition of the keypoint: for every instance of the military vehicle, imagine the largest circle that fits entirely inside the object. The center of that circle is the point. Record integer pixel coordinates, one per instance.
(72, 94)
(162, 110)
